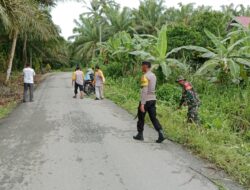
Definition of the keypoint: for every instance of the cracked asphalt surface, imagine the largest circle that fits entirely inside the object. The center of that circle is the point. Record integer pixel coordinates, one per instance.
(59, 143)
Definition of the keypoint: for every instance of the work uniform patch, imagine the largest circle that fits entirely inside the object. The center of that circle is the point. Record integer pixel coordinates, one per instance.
(144, 81)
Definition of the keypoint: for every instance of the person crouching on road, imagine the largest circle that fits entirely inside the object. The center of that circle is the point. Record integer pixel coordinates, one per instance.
(190, 99)
(28, 75)
(77, 78)
(99, 81)
(148, 103)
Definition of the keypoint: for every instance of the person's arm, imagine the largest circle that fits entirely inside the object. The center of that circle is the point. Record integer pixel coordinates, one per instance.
(73, 78)
(94, 81)
(102, 76)
(144, 92)
(183, 100)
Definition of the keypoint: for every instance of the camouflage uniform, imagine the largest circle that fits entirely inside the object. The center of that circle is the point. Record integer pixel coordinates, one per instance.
(190, 99)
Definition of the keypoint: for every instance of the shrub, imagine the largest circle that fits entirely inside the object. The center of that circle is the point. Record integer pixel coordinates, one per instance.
(113, 69)
(48, 68)
(169, 93)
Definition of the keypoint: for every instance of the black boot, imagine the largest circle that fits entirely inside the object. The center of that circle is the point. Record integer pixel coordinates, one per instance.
(161, 137)
(139, 136)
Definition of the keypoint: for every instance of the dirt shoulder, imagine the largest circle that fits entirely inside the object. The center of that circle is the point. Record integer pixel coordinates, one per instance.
(12, 94)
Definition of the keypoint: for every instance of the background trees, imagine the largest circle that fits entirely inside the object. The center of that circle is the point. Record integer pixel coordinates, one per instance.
(186, 25)
(28, 27)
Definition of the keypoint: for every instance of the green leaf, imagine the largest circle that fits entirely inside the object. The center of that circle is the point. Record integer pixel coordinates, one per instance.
(177, 63)
(161, 45)
(208, 55)
(192, 48)
(166, 70)
(218, 44)
(142, 55)
(243, 61)
(234, 69)
(207, 66)
(231, 48)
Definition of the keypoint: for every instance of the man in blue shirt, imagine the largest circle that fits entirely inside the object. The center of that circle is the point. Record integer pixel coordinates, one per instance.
(89, 75)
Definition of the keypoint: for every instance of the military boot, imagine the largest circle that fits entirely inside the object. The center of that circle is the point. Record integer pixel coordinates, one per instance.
(139, 136)
(161, 137)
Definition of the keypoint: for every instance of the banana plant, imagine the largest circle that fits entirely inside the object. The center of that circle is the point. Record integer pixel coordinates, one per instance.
(117, 49)
(157, 53)
(226, 58)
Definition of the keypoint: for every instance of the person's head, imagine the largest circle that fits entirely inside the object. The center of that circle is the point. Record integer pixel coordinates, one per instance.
(145, 66)
(97, 67)
(181, 80)
(77, 68)
(27, 65)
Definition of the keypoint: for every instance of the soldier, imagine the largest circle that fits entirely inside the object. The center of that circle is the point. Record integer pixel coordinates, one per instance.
(190, 99)
(148, 103)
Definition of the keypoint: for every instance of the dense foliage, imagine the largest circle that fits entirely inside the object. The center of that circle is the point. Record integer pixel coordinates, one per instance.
(28, 35)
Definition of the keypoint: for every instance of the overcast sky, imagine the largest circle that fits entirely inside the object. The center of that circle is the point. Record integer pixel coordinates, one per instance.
(65, 12)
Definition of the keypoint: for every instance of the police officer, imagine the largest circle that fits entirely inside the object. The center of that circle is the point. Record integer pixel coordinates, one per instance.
(189, 98)
(148, 103)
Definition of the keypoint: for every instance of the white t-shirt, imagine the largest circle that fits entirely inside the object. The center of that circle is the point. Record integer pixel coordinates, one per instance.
(28, 75)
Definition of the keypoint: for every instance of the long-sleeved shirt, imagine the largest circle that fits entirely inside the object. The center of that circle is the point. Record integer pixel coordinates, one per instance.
(78, 77)
(148, 84)
(189, 96)
(99, 78)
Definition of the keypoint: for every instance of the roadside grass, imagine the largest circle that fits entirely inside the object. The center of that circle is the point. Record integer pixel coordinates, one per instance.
(6, 109)
(215, 140)
(12, 94)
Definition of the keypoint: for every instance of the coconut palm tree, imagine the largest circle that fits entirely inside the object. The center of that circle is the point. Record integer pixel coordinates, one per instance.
(118, 20)
(19, 16)
(86, 38)
(150, 16)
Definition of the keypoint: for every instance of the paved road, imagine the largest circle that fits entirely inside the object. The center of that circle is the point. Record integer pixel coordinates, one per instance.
(59, 143)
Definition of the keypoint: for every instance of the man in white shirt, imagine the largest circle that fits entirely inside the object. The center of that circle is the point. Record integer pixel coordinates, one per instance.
(28, 75)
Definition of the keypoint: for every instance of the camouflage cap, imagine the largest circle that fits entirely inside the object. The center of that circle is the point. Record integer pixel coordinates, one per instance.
(180, 78)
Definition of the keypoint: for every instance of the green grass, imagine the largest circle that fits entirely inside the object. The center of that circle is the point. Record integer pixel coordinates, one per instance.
(221, 139)
(6, 110)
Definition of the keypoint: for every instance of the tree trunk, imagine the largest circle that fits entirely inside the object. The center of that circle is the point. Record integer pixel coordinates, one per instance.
(11, 55)
(100, 35)
(31, 58)
(25, 57)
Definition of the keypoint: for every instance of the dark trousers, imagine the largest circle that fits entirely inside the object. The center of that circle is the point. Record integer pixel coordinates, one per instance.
(28, 87)
(78, 86)
(192, 114)
(150, 108)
